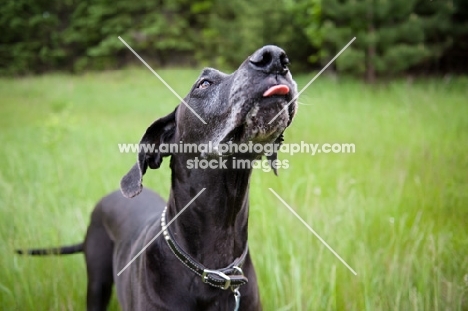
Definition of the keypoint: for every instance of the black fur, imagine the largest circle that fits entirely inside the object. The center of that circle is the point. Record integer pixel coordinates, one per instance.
(213, 229)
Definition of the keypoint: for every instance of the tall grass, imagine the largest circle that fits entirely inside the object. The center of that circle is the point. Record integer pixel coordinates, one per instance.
(396, 210)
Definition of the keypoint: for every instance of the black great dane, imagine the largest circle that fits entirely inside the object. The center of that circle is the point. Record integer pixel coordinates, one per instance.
(201, 261)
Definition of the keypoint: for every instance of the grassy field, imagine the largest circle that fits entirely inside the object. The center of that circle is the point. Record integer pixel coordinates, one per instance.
(396, 210)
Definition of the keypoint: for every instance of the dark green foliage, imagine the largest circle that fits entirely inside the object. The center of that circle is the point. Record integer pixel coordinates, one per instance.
(77, 35)
(392, 35)
(32, 35)
(456, 58)
(153, 29)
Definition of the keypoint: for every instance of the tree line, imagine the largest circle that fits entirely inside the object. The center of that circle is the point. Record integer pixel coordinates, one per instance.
(393, 36)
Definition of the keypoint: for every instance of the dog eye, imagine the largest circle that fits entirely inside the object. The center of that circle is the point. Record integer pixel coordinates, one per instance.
(204, 84)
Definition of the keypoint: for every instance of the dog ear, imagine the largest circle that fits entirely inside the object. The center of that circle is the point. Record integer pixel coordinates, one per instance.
(274, 156)
(160, 132)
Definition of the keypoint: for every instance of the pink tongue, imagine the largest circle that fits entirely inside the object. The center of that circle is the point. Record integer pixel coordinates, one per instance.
(277, 90)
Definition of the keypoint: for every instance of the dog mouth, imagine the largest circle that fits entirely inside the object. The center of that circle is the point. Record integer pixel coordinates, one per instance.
(263, 118)
(270, 115)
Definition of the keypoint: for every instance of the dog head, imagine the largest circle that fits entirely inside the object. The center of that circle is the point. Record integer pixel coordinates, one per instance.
(256, 103)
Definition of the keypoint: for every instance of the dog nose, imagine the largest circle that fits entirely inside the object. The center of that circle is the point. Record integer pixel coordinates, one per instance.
(270, 59)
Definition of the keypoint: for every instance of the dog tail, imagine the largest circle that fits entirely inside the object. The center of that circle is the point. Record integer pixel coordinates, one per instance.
(62, 250)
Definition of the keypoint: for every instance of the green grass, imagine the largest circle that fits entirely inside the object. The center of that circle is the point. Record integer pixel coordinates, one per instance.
(396, 210)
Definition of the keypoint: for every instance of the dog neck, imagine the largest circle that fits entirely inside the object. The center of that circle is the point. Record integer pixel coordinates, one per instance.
(213, 228)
